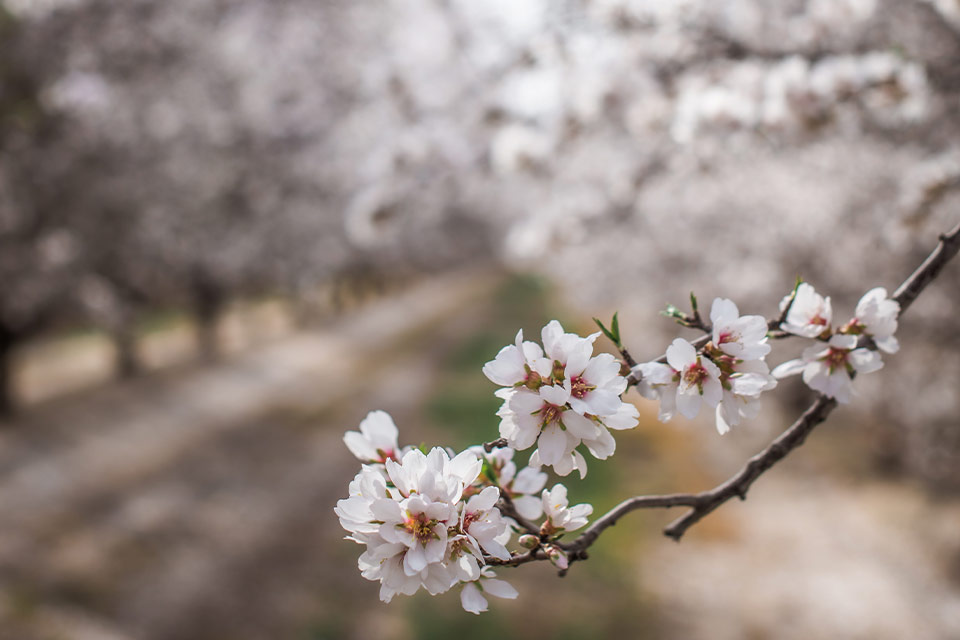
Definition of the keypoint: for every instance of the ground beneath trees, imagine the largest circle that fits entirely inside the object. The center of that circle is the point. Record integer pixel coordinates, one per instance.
(197, 504)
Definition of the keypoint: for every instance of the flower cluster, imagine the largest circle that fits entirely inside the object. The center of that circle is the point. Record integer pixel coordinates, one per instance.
(419, 526)
(728, 374)
(828, 365)
(558, 397)
(432, 520)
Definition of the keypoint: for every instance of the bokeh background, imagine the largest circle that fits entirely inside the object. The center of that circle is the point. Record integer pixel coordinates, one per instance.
(230, 228)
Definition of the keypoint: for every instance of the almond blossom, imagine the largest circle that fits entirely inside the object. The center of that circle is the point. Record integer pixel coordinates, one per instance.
(876, 316)
(741, 337)
(559, 397)
(659, 381)
(377, 439)
(699, 378)
(560, 516)
(418, 530)
(810, 313)
(826, 367)
(741, 394)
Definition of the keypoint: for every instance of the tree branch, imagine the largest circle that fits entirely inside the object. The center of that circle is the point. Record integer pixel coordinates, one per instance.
(737, 486)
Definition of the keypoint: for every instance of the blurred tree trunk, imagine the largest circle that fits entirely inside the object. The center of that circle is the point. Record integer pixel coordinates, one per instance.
(8, 340)
(208, 303)
(127, 360)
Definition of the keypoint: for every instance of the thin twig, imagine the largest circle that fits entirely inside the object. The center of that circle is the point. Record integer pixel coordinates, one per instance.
(518, 558)
(509, 509)
(499, 443)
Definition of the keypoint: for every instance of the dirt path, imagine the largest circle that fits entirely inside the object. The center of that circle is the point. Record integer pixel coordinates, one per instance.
(150, 498)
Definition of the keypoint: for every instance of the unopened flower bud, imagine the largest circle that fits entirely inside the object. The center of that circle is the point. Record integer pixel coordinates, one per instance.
(529, 541)
(558, 558)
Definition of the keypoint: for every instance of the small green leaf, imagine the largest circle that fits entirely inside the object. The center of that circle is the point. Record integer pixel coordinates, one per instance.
(693, 303)
(615, 328)
(610, 335)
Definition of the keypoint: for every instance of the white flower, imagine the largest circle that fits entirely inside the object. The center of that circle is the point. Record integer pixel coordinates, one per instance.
(559, 516)
(434, 475)
(743, 337)
(742, 399)
(596, 387)
(420, 525)
(354, 512)
(659, 381)
(810, 314)
(417, 529)
(471, 597)
(567, 349)
(377, 439)
(483, 524)
(699, 378)
(559, 397)
(546, 416)
(827, 367)
(876, 316)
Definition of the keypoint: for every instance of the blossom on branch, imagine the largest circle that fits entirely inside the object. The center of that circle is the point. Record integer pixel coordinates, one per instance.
(699, 378)
(876, 316)
(377, 439)
(560, 517)
(559, 397)
(827, 367)
(728, 373)
(418, 528)
(810, 313)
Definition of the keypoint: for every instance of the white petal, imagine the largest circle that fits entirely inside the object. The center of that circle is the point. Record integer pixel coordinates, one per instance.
(789, 368)
(360, 447)
(689, 403)
(842, 341)
(484, 500)
(507, 368)
(555, 395)
(865, 361)
(552, 444)
(579, 426)
(472, 600)
(681, 354)
(722, 426)
(499, 589)
(529, 507)
(380, 429)
(888, 344)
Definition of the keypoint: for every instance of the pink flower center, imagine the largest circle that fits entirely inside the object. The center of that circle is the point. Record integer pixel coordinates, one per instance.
(420, 527)
(728, 336)
(387, 454)
(550, 413)
(818, 320)
(579, 387)
(695, 374)
(836, 358)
